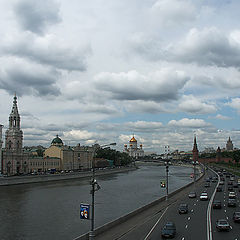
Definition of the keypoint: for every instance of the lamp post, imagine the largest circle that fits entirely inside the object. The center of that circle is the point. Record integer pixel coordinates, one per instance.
(95, 187)
(167, 162)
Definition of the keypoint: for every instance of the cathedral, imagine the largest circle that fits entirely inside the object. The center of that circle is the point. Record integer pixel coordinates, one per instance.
(133, 150)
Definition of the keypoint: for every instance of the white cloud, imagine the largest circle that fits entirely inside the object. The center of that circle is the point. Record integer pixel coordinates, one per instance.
(189, 123)
(234, 103)
(191, 104)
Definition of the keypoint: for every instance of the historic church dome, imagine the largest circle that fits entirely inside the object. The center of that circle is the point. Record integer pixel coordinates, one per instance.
(57, 141)
(133, 139)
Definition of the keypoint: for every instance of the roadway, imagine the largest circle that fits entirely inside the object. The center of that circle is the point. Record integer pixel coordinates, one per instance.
(200, 221)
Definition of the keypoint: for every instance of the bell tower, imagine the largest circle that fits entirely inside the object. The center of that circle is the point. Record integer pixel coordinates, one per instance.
(14, 135)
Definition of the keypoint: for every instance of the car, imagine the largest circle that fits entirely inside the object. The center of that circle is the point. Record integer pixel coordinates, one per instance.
(232, 202)
(168, 230)
(235, 185)
(219, 189)
(222, 225)
(230, 183)
(192, 195)
(203, 196)
(207, 184)
(230, 188)
(221, 183)
(217, 204)
(236, 216)
(183, 208)
(232, 195)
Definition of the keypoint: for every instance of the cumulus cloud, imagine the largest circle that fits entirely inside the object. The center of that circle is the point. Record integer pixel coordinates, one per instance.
(28, 79)
(221, 117)
(159, 86)
(79, 135)
(37, 16)
(189, 123)
(48, 50)
(191, 104)
(209, 46)
(143, 126)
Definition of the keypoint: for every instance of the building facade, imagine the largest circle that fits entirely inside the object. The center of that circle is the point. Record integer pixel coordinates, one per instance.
(70, 158)
(14, 160)
(133, 150)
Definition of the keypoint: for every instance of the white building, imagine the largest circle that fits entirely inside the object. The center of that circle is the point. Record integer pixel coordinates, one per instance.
(133, 150)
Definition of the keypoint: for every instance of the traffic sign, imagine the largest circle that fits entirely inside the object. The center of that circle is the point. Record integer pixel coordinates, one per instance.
(163, 184)
(84, 211)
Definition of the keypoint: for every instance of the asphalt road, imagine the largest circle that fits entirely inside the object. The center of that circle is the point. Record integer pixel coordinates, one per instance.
(197, 224)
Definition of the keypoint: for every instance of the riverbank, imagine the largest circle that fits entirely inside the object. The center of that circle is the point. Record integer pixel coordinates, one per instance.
(16, 180)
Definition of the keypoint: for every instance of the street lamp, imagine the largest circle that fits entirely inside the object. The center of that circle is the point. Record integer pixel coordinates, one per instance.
(95, 187)
(167, 165)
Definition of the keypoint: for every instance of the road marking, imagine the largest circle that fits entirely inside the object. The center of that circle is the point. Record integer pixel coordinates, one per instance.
(192, 210)
(184, 238)
(189, 218)
(226, 217)
(194, 204)
(186, 226)
(156, 223)
(225, 210)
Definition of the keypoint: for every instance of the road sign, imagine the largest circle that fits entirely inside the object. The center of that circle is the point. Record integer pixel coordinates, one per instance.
(84, 211)
(163, 184)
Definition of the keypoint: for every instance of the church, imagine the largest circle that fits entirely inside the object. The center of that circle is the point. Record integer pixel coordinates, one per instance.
(133, 150)
(15, 161)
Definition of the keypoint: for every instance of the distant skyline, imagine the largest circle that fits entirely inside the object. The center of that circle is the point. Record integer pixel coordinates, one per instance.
(102, 70)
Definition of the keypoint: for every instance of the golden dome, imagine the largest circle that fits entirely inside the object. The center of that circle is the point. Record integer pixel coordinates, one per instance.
(133, 139)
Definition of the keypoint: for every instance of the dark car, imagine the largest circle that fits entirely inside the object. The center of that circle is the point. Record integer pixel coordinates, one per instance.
(207, 184)
(230, 188)
(222, 225)
(183, 208)
(236, 216)
(230, 183)
(219, 189)
(232, 202)
(192, 195)
(217, 204)
(169, 230)
(235, 185)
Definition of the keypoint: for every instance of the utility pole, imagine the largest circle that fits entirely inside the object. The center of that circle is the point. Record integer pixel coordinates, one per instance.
(94, 187)
(167, 170)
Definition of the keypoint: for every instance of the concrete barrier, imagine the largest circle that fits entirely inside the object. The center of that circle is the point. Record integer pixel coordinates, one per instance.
(6, 181)
(122, 219)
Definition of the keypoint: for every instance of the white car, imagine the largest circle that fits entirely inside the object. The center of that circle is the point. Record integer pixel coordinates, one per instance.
(232, 195)
(203, 196)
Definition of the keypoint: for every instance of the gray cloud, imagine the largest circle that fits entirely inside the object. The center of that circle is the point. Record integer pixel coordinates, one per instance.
(37, 16)
(47, 51)
(159, 86)
(37, 81)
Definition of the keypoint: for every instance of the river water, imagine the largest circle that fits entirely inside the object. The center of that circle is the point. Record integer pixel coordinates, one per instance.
(51, 210)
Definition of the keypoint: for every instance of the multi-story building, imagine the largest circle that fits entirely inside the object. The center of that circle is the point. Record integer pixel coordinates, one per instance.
(70, 158)
(133, 149)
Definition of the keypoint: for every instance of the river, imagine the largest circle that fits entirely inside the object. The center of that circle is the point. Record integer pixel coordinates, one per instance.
(51, 210)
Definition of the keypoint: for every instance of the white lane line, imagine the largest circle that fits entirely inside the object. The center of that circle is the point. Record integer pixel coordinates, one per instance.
(184, 238)
(186, 226)
(225, 210)
(226, 217)
(192, 210)
(189, 218)
(194, 204)
(156, 223)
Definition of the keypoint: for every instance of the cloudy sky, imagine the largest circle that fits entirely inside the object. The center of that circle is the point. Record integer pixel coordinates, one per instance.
(103, 70)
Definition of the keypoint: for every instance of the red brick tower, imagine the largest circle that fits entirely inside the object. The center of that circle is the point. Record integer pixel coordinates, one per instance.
(195, 150)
